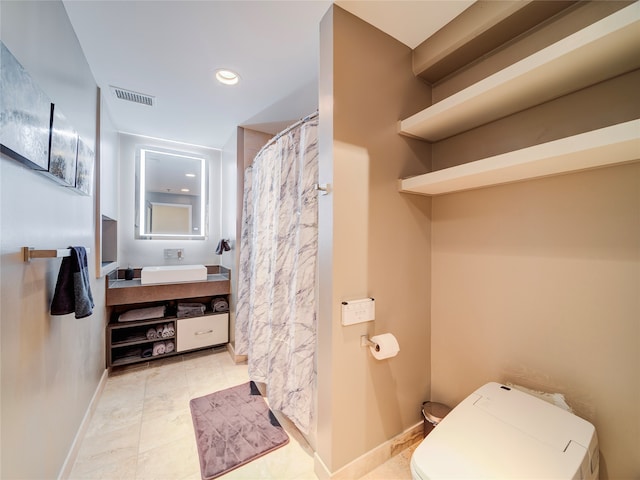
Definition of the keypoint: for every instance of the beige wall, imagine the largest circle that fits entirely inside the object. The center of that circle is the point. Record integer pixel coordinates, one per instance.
(373, 240)
(51, 365)
(537, 283)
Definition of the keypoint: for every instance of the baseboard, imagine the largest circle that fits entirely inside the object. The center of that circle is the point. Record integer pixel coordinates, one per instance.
(236, 358)
(67, 466)
(373, 458)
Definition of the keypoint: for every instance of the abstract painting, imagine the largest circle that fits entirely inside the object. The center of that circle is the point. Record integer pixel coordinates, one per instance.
(84, 168)
(64, 150)
(25, 115)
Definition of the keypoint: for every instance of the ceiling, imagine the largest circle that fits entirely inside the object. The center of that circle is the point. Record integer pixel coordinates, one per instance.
(170, 50)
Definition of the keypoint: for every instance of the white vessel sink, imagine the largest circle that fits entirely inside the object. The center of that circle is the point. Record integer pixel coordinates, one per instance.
(173, 274)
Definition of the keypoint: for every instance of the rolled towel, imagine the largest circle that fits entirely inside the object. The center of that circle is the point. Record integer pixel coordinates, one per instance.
(169, 346)
(151, 334)
(171, 328)
(159, 329)
(219, 304)
(165, 331)
(158, 349)
(147, 352)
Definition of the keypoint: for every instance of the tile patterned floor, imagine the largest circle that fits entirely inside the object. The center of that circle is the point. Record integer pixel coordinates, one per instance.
(142, 428)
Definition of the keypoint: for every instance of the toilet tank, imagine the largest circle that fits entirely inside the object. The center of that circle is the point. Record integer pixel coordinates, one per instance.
(501, 432)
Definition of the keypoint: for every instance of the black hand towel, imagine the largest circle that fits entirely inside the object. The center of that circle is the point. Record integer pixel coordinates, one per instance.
(223, 246)
(73, 288)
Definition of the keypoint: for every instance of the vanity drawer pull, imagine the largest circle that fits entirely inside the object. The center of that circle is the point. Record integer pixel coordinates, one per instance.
(203, 332)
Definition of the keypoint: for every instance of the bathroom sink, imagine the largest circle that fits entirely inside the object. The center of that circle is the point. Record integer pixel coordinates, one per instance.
(173, 274)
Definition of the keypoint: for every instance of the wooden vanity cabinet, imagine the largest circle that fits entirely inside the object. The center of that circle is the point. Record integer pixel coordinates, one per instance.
(127, 341)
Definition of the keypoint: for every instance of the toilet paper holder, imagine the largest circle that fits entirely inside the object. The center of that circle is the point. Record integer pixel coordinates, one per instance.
(366, 342)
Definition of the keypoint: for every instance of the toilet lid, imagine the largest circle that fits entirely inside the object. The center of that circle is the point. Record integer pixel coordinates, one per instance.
(497, 433)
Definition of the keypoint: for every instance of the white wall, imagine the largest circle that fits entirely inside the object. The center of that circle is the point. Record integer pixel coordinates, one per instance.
(229, 192)
(51, 365)
(109, 165)
(139, 253)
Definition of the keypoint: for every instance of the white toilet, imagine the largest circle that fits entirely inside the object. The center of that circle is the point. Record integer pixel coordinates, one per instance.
(499, 432)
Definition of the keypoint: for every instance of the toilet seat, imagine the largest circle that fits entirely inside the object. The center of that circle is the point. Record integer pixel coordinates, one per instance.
(499, 432)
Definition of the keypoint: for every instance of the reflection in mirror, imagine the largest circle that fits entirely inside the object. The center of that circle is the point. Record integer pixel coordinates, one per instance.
(171, 197)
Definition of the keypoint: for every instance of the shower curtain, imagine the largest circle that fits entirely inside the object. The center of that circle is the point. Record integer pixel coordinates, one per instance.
(276, 306)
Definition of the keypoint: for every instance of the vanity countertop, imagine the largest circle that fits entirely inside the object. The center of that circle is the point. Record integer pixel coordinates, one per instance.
(121, 292)
(122, 283)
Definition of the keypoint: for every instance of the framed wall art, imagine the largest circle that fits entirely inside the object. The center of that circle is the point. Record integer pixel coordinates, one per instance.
(25, 115)
(63, 152)
(84, 168)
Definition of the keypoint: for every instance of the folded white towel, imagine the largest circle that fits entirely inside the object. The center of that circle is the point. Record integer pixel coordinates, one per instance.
(158, 349)
(152, 334)
(169, 346)
(171, 328)
(159, 329)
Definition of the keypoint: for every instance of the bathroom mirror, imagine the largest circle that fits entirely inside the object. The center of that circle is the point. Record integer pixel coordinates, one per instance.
(171, 195)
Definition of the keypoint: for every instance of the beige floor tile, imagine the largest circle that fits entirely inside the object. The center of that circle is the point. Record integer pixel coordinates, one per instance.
(171, 461)
(205, 380)
(123, 469)
(289, 462)
(158, 431)
(142, 427)
(110, 454)
(204, 358)
(251, 471)
(166, 379)
(165, 403)
(113, 444)
(114, 416)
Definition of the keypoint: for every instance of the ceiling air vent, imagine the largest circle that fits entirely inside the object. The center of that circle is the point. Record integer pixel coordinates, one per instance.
(135, 97)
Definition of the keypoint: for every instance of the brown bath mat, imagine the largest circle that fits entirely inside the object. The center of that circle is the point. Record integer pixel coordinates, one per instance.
(233, 427)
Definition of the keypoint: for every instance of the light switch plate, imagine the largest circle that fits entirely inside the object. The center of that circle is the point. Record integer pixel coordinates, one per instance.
(358, 311)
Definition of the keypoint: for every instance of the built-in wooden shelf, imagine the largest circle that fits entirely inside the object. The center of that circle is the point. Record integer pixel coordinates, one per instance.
(128, 342)
(606, 146)
(603, 50)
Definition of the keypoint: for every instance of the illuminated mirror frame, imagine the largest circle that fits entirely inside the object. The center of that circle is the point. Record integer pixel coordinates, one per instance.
(141, 199)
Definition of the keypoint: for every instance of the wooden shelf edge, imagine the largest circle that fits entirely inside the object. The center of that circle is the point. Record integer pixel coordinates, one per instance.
(215, 345)
(120, 362)
(606, 146)
(131, 343)
(600, 51)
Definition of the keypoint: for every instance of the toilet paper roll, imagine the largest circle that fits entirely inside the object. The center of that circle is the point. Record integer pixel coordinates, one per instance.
(386, 346)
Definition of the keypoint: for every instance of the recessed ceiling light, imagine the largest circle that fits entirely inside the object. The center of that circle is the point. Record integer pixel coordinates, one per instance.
(189, 174)
(227, 77)
(184, 189)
